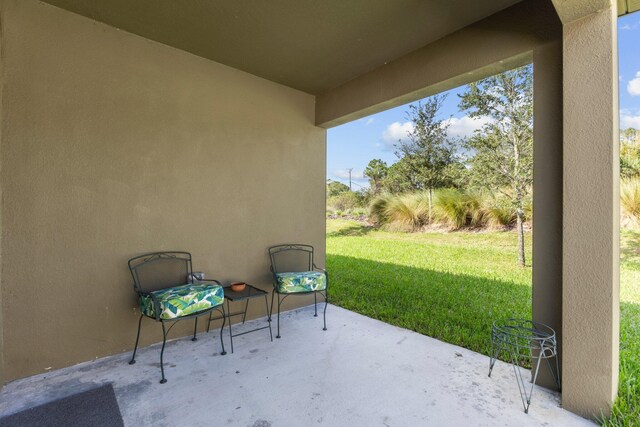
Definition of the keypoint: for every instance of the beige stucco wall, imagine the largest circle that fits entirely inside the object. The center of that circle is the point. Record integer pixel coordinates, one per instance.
(591, 259)
(547, 191)
(113, 145)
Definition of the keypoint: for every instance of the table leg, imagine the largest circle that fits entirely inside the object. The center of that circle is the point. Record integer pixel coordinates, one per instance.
(230, 333)
(246, 307)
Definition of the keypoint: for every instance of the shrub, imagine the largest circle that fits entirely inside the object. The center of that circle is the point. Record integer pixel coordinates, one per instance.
(458, 209)
(499, 211)
(343, 201)
(398, 212)
(451, 207)
(378, 209)
(630, 200)
(405, 212)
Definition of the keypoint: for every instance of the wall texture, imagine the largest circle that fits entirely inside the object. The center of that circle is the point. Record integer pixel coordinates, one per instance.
(591, 205)
(113, 145)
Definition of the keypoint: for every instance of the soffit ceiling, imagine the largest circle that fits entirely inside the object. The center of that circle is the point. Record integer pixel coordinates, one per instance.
(310, 45)
(628, 6)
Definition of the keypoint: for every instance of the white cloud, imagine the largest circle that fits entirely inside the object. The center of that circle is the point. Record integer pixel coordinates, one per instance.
(356, 175)
(629, 27)
(463, 127)
(634, 85)
(629, 121)
(367, 121)
(396, 132)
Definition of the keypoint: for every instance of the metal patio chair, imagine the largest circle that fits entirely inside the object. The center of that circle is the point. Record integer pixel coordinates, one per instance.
(295, 273)
(168, 292)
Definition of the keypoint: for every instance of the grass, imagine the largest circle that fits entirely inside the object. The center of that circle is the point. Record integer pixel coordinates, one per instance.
(452, 286)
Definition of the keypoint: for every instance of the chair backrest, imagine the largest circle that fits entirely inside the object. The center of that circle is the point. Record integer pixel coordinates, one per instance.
(291, 258)
(160, 270)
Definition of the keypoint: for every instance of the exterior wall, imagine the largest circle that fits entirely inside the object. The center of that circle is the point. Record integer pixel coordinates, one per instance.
(112, 146)
(591, 259)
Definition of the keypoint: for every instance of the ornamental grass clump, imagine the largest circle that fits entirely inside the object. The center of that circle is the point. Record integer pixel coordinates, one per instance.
(458, 209)
(630, 201)
(398, 212)
(499, 212)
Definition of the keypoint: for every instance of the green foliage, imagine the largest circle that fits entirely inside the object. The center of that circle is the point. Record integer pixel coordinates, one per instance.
(429, 151)
(334, 188)
(405, 212)
(398, 212)
(344, 201)
(458, 208)
(378, 209)
(376, 171)
(630, 200)
(629, 153)
(400, 178)
(503, 148)
(453, 208)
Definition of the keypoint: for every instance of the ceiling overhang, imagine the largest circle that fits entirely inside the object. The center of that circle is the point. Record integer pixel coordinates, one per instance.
(628, 6)
(309, 45)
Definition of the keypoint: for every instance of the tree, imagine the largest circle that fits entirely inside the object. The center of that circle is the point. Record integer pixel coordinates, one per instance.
(400, 178)
(503, 147)
(376, 171)
(334, 188)
(429, 151)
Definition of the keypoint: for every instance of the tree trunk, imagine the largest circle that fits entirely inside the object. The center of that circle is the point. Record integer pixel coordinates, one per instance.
(520, 227)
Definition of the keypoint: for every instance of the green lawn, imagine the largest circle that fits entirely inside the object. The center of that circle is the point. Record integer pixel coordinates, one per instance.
(452, 286)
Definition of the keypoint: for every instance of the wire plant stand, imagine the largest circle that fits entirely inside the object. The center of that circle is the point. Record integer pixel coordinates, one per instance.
(525, 342)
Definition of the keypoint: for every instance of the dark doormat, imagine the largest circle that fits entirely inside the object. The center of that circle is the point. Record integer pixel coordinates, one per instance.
(97, 407)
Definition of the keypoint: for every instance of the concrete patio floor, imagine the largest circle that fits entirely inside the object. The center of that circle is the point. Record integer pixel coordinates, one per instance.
(361, 372)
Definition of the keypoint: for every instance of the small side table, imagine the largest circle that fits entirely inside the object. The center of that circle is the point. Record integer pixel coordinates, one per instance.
(249, 292)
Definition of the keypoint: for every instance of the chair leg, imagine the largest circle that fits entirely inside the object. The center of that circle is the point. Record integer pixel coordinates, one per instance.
(315, 304)
(224, 321)
(324, 315)
(273, 294)
(164, 342)
(135, 348)
(266, 303)
(195, 329)
(278, 334)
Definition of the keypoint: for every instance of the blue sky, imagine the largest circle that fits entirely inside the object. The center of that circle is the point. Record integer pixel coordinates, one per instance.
(354, 144)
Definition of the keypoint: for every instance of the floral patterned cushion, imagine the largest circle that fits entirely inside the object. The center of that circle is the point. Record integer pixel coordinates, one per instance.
(182, 300)
(303, 281)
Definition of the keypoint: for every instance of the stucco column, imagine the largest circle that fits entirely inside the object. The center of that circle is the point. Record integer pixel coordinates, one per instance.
(590, 309)
(547, 194)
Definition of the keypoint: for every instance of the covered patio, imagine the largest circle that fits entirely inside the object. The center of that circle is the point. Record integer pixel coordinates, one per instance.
(135, 127)
(359, 372)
